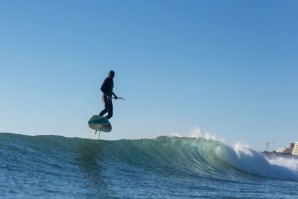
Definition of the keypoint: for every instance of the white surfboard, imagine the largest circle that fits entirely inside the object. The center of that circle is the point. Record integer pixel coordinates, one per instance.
(99, 123)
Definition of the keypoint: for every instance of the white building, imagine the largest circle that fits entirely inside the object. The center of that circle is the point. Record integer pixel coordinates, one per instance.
(291, 149)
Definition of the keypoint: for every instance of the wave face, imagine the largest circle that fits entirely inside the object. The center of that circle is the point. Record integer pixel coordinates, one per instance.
(164, 167)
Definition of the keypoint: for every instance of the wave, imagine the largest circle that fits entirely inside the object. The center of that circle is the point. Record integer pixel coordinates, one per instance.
(165, 156)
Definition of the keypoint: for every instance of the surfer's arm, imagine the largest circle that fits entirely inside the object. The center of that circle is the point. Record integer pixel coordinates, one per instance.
(115, 96)
(103, 87)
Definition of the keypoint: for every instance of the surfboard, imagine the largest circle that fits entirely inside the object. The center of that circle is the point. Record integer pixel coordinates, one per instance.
(99, 123)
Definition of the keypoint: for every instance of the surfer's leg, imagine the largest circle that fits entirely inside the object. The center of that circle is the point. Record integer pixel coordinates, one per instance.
(109, 108)
(104, 111)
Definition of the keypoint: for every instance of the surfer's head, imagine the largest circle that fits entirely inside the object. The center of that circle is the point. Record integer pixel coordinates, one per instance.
(111, 74)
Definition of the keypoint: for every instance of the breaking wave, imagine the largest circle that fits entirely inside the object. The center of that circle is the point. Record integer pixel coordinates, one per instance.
(193, 157)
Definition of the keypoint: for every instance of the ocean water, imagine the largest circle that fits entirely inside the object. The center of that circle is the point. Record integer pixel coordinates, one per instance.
(164, 167)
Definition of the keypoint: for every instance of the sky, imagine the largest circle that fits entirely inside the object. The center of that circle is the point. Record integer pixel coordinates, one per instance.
(224, 68)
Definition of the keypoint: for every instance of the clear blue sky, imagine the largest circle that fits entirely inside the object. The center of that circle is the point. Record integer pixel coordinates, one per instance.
(227, 67)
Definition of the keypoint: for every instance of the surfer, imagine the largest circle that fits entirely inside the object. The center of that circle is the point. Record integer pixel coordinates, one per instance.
(107, 90)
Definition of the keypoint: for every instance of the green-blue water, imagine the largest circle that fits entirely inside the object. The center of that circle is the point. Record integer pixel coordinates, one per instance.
(165, 167)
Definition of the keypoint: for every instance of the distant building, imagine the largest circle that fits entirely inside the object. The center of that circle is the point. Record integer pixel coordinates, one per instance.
(291, 149)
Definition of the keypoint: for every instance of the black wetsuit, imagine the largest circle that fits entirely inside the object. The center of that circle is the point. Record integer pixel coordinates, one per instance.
(107, 89)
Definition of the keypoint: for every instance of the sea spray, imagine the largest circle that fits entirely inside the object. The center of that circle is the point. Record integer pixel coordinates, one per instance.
(249, 161)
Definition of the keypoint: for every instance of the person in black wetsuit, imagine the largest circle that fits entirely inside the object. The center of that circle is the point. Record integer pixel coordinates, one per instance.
(107, 89)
